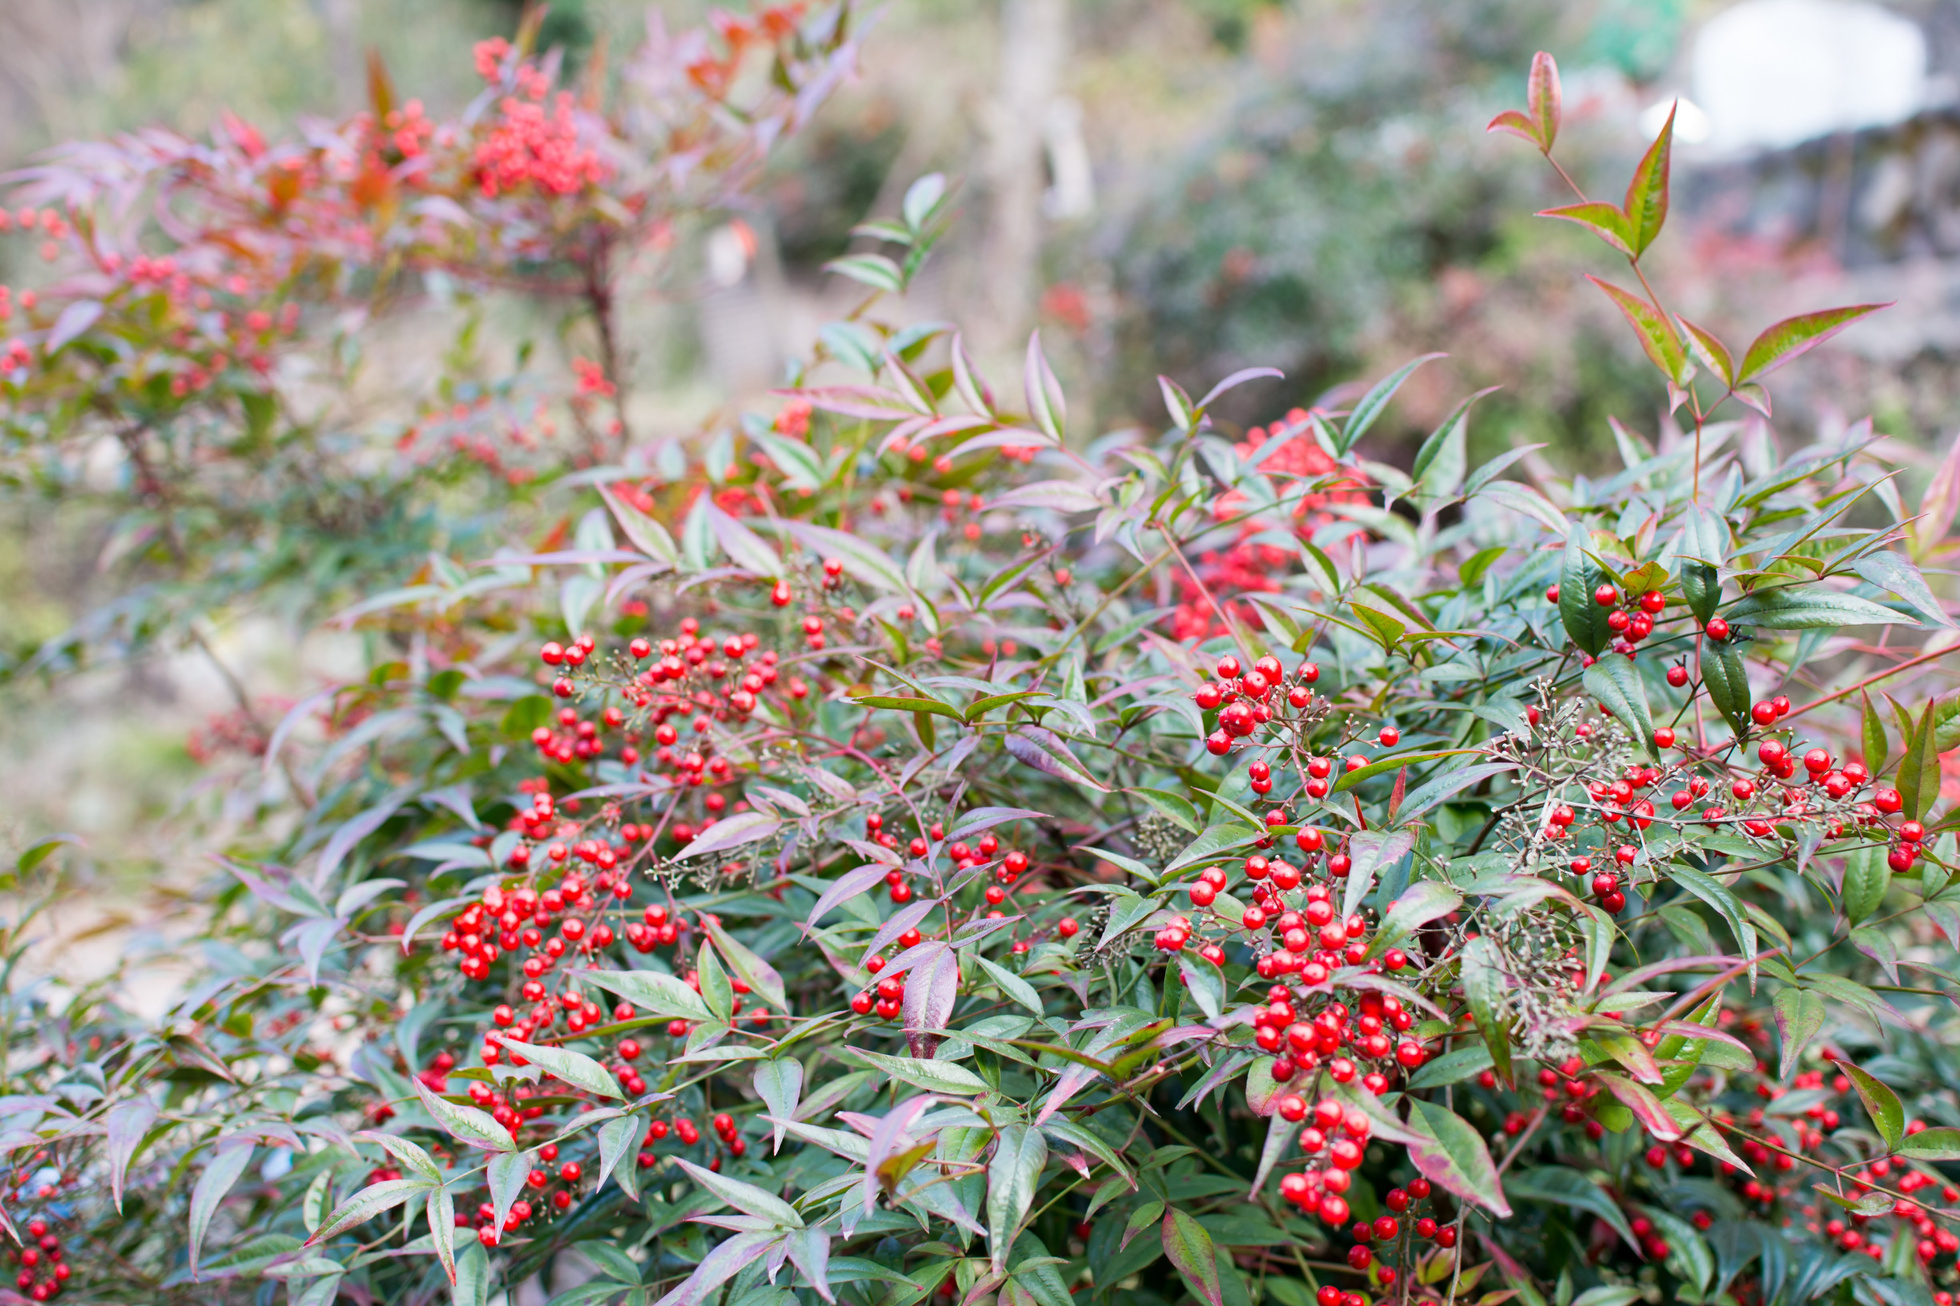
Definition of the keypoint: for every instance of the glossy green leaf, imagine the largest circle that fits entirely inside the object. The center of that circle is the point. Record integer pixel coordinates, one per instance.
(1614, 682)
(1452, 1153)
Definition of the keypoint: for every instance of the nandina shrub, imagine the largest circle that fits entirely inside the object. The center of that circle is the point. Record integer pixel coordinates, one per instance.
(924, 851)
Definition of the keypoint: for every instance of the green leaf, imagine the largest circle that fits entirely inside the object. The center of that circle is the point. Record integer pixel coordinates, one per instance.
(1585, 620)
(1013, 1175)
(1614, 682)
(1939, 1143)
(1811, 608)
(1376, 400)
(1453, 1067)
(1011, 984)
(1726, 677)
(1881, 1104)
(1799, 1015)
(1646, 201)
(1173, 807)
(779, 1084)
(716, 992)
(1387, 630)
(1189, 1248)
(1444, 456)
(656, 994)
(1416, 906)
(1717, 895)
(368, 1203)
(758, 974)
(1655, 333)
(1919, 769)
(1794, 336)
(574, 1068)
(744, 1197)
(1704, 548)
(1215, 841)
(1570, 1188)
(464, 1123)
(932, 1076)
(905, 704)
(40, 852)
(1483, 988)
(1454, 1156)
(1600, 218)
(1873, 738)
(228, 1161)
(1866, 878)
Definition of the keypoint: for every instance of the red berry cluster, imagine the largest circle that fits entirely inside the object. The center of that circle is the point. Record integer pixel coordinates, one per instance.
(1334, 1036)
(1244, 700)
(43, 1273)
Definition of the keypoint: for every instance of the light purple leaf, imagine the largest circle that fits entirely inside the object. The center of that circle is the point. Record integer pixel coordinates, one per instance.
(75, 319)
(730, 832)
(847, 886)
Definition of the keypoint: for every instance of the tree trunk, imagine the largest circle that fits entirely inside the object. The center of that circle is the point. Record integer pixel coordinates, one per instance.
(1033, 46)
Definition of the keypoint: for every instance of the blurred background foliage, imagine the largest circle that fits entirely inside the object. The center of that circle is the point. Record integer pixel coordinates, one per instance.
(1221, 183)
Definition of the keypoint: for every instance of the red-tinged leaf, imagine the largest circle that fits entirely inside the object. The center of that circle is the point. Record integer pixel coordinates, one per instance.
(1712, 352)
(1542, 100)
(1518, 125)
(1794, 336)
(1640, 1100)
(930, 993)
(1189, 1248)
(865, 401)
(1936, 510)
(1452, 1154)
(1600, 218)
(1646, 202)
(1754, 395)
(1656, 336)
(730, 832)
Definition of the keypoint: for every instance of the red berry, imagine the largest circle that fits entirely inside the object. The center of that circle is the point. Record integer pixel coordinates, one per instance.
(1551, 594)
(1663, 738)
(1718, 629)
(1606, 596)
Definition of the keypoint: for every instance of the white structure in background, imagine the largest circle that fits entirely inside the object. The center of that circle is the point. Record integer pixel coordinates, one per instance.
(1071, 177)
(1771, 73)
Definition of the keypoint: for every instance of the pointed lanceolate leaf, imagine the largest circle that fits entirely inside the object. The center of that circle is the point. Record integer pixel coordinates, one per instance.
(1881, 1104)
(744, 1197)
(1189, 1248)
(1543, 101)
(1454, 1156)
(1726, 678)
(1919, 769)
(1877, 746)
(1646, 202)
(574, 1068)
(1602, 219)
(1655, 333)
(1712, 352)
(228, 1161)
(1940, 1143)
(464, 1123)
(1799, 1015)
(1012, 1178)
(368, 1203)
(1585, 620)
(1798, 335)
(652, 992)
(1376, 401)
(1867, 875)
(1614, 682)
(1483, 988)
